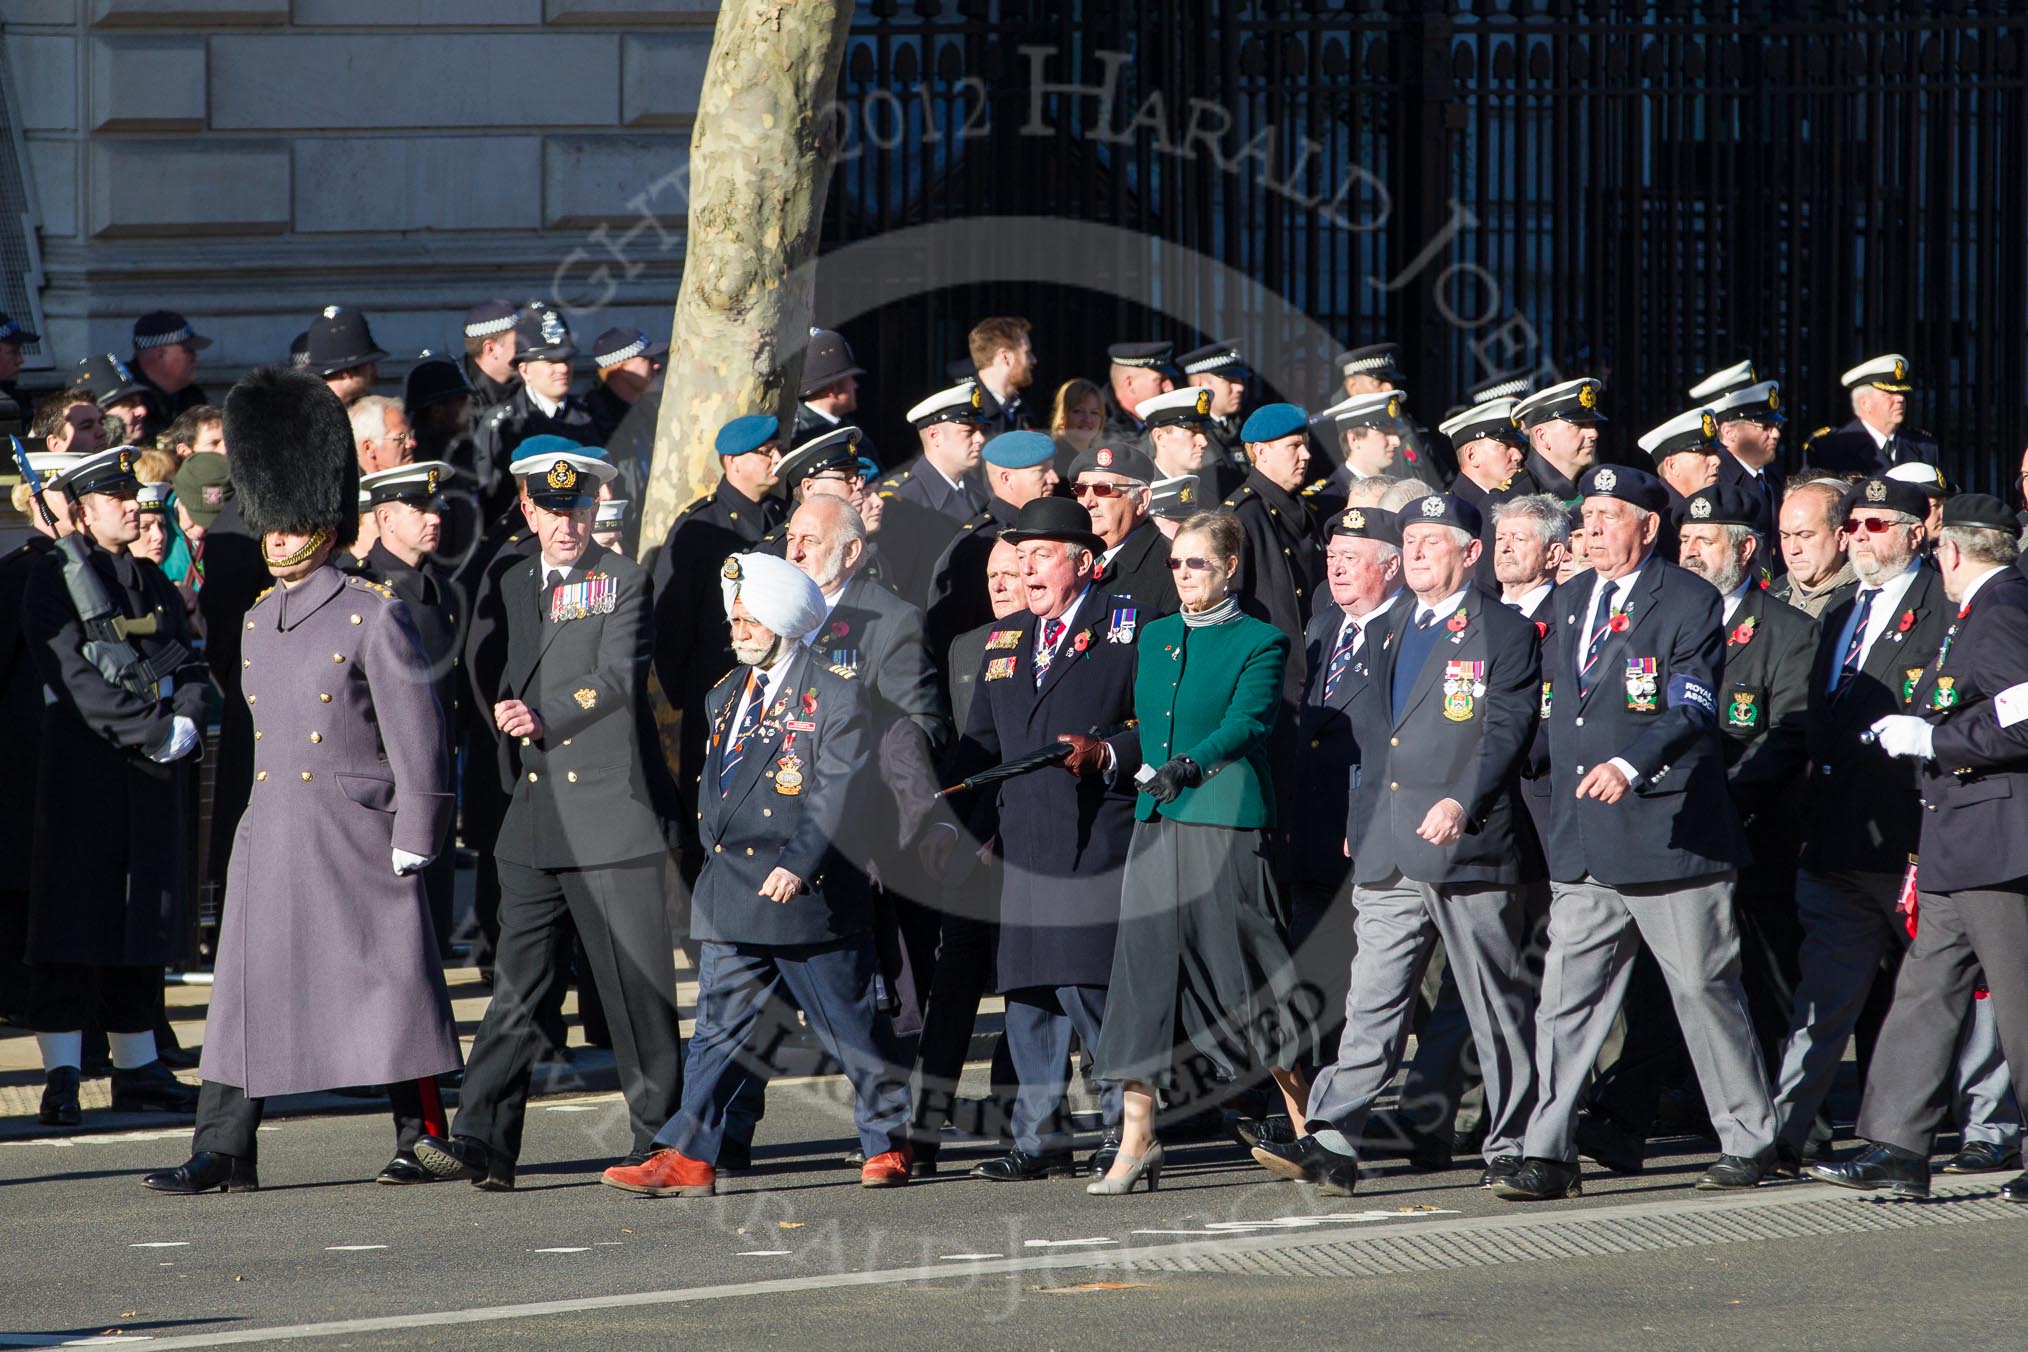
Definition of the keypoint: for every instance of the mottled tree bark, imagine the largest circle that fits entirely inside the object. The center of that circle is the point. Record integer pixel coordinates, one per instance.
(759, 166)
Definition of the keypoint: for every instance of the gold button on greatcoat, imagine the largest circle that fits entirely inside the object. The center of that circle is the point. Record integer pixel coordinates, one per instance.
(337, 657)
(316, 737)
(533, 777)
(323, 699)
(306, 776)
(355, 619)
(262, 775)
(572, 776)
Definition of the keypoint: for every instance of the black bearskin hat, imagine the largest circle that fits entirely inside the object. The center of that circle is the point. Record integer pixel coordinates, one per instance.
(289, 443)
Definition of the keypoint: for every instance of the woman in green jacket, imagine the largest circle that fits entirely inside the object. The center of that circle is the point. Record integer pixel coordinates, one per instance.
(1199, 946)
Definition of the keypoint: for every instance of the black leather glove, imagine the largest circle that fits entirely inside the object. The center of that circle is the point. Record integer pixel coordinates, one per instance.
(1178, 774)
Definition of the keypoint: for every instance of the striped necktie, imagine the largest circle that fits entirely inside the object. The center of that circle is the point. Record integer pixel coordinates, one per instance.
(1848, 665)
(1341, 656)
(1052, 634)
(1601, 625)
(736, 750)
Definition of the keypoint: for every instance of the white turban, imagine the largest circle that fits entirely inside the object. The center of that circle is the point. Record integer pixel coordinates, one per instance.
(776, 592)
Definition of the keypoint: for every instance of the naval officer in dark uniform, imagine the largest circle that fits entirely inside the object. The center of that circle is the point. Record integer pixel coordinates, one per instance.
(583, 835)
(781, 912)
(328, 975)
(489, 355)
(543, 405)
(928, 499)
(1441, 845)
(408, 509)
(1490, 447)
(1220, 368)
(108, 877)
(1877, 437)
(1561, 424)
(1063, 670)
(1971, 744)
(1647, 838)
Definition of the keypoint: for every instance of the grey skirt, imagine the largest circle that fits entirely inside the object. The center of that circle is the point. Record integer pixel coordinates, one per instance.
(1202, 978)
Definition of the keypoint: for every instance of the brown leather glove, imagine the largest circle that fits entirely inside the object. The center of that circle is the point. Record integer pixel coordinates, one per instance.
(1087, 754)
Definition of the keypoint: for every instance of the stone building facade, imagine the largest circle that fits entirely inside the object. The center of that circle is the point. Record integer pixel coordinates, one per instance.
(248, 162)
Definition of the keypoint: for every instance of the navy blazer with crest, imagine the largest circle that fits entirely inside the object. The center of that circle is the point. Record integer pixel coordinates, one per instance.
(594, 788)
(1678, 822)
(775, 815)
(1459, 736)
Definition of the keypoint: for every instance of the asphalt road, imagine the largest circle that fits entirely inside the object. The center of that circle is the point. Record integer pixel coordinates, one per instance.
(796, 1254)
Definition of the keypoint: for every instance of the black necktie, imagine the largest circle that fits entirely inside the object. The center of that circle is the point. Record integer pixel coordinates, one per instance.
(555, 578)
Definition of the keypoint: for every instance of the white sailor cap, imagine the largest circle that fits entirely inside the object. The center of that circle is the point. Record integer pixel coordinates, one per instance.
(1887, 372)
(1696, 430)
(960, 403)
(1733, 377)
(1190, 404)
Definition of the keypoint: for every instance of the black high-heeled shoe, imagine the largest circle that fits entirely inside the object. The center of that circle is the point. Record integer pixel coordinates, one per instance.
(204, 1171)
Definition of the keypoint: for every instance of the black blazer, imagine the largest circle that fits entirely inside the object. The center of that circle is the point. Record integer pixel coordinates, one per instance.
(1463, 732)
(797, 789)
(593, 789)
(1851, 449)
(1763, 703)
(1140, 574)
(879, 638)
(1679, 821)
(1860, 812)
(1064, 840)
(1975, 789)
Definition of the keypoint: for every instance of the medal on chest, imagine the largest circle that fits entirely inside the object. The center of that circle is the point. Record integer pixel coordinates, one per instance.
(1642, 690)
(578, 600)
(1122, 626)
(1464, 686)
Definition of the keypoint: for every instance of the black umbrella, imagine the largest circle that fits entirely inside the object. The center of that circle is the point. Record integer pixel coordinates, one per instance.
(1021, 765)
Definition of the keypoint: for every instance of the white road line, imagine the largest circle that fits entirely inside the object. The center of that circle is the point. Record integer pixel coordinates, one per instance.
(1065, 1243)
(1071, 1258)
(762, 1253)
(967, 1257)
(585, 1249)
(162, 1244)
(571, 1107)
(351, 1248)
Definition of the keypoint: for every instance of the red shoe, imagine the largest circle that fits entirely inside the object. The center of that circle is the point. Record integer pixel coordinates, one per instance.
(888, 1169)
(664, 1174)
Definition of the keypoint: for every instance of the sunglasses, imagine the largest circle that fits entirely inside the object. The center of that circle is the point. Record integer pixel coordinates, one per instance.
(1103, 490)
(1873, 525)
(1195, 565)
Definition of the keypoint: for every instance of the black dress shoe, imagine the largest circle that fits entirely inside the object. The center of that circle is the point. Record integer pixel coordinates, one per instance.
(1251, 1131)
(855, 1158)
(1429, 1153)
(204, 1171)
(1728, 1172)
(404, 1168)
(1540, 1181)
(1788, 1161)
(731, 1155)
(152, 1088)
(1498, 1169)
(59, 1099)
(179, 1058)
(1306, 1161)
(1881, 1168)
(466, 1158)
(1019, 1166)
(1612, 1145)
(2015, 1189)
(1101, 1162)
(1982, 1157)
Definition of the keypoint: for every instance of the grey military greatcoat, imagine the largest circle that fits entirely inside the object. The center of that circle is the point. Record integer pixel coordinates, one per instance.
(328, 972)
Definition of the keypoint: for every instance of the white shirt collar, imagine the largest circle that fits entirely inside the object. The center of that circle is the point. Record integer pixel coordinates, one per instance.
(1444, 608)
(775, 672)
(1734, 597)
(1532, 599)
(547, 405)
(1884, 605)
(1977, 583)
(1879, 437)
(830, 418)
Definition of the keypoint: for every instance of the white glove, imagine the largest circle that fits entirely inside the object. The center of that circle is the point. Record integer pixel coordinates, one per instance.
(1904, 735)
(406, 863)
(182, 741)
